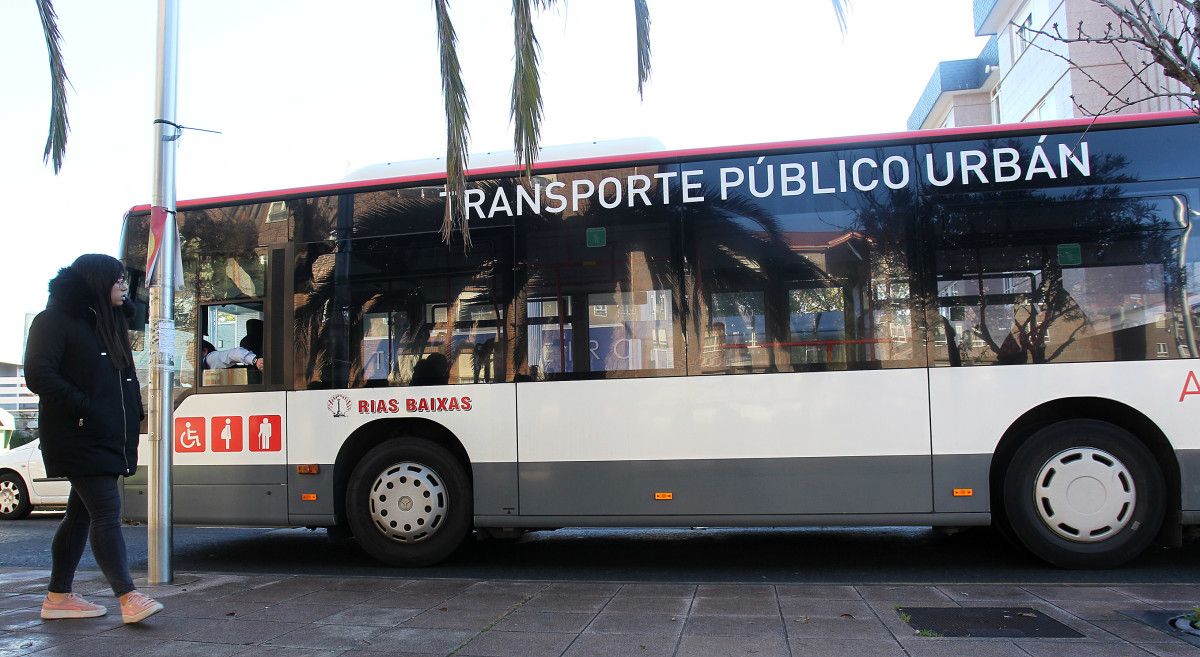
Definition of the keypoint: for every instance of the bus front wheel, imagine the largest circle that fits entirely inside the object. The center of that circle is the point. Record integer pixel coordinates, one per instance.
(1084, 494)
(409, 502)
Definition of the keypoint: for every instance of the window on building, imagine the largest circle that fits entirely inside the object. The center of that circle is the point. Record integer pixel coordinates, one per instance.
(1023, 35)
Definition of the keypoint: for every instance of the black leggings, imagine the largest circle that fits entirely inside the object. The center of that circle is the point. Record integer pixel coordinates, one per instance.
(93, 510)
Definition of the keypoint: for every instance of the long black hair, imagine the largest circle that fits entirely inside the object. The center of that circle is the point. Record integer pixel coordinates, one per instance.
(100, 272)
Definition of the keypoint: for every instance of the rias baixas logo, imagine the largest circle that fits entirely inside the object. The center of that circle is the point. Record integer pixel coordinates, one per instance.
(339, 405)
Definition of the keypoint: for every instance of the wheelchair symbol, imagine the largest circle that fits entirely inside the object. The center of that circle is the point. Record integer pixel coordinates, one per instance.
(189, 434)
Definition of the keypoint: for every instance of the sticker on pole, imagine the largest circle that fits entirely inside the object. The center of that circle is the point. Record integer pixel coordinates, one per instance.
(189, 434)
(165, 330)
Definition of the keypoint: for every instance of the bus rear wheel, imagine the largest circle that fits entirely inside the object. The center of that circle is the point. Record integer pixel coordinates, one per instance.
(408, 502)
(1084, 494)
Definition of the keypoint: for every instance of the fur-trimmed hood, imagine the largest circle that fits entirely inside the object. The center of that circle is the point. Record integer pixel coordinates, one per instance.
(69, 293)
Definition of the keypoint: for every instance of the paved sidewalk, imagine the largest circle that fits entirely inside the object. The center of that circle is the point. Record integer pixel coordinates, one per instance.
(216, 615)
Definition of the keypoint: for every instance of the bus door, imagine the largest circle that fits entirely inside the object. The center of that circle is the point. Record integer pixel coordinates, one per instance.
(229, 442)
(230, 436)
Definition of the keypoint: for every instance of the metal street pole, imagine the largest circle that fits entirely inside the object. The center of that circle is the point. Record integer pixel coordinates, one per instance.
(162, 303)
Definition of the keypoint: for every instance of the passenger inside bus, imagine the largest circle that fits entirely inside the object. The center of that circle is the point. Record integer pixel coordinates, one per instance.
(254, 336)
(432, 370)
(212, 359)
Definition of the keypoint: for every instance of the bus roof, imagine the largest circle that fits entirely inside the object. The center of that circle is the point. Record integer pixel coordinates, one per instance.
(641, 151)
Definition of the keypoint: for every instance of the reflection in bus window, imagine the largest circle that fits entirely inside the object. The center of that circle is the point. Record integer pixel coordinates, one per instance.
(600, 295)
(1053, 281)
(801, 283)
(404, 310)
(232, 276)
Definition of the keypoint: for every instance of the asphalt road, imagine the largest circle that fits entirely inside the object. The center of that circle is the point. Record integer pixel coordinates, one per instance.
(819, 555)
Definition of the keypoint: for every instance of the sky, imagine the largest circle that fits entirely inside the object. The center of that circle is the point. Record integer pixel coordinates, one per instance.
(305, 91)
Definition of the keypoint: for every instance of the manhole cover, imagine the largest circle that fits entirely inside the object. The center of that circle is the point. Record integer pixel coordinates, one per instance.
(1171, 622)
(985, 622)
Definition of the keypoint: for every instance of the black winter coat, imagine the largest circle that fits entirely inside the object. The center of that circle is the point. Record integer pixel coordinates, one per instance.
(89, 412)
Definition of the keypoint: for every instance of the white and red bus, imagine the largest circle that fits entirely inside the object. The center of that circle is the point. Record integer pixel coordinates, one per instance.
(944, 328)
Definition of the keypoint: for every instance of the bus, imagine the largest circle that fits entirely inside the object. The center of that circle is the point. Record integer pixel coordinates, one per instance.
(947, 328)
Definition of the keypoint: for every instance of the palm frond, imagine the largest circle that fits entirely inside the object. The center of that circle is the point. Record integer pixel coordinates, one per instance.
(458, 130)
(526, 110)
(56, 141)
(641, 16)
(839, 9)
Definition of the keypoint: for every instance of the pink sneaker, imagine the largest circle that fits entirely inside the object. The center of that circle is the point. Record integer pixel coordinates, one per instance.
(71, 606)
(137, 606)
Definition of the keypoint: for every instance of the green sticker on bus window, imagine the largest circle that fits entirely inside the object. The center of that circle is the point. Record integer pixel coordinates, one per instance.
(1069, 254)
(597, 237)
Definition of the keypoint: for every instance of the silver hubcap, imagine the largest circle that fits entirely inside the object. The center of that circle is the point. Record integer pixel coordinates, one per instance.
(408, 502)
(10, 497)
(1085, 495)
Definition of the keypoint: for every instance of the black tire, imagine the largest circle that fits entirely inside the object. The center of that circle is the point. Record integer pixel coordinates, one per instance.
(409, 502)
(1084, 494)
(14, 497)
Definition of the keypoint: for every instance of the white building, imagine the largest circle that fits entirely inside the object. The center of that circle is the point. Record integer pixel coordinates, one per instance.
(1025, 76)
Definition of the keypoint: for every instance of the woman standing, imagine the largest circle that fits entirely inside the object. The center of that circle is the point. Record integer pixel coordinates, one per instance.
(79, 362)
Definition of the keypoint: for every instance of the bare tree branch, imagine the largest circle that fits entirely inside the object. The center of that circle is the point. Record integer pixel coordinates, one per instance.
(1145, 35)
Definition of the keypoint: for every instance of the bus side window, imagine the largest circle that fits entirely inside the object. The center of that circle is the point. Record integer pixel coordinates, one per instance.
(379, 309)
(232, 338)
(801, 283)
(1046, 280)
(600, 297)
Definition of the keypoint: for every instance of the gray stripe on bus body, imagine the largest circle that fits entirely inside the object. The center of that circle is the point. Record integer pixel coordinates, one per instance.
(743, 520)
(961, 471)
(219, 474)
(712, 487)
(740, 492)
(495, 487)
(217, 504)
(495, 492)
(1189, 474)
(320, 484)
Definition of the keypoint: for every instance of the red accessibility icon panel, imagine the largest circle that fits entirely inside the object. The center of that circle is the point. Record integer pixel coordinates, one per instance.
(189, 434)
(265, 433)
(227, 433)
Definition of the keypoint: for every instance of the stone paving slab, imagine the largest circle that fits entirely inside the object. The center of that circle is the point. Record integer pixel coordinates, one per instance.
(229, 615)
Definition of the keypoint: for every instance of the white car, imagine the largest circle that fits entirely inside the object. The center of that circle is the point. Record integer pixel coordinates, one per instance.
(24, 484)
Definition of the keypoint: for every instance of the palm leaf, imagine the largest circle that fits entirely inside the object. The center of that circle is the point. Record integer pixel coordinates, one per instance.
(641, 16)
(56, 141)
(839, 9)
(458, 131)
(526, 108)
